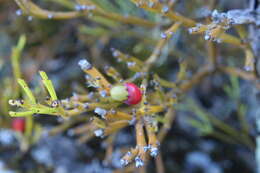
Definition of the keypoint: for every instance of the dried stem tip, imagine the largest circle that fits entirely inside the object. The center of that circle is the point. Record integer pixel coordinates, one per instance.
(139, 162)
(101, 112)
(84, 64)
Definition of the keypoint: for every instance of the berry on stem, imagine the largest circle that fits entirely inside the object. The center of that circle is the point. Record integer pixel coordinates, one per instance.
(129, 93)
(18, 124)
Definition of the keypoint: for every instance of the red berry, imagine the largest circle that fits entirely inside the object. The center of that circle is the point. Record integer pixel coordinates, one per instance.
(134, 94)
(18, 124)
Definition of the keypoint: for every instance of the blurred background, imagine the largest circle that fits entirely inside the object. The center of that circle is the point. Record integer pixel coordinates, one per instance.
(214, 126)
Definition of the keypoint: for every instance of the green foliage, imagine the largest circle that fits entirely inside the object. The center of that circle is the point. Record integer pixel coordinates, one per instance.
(208, 124)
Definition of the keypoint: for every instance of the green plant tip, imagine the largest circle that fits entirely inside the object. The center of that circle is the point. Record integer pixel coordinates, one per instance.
(119, 93)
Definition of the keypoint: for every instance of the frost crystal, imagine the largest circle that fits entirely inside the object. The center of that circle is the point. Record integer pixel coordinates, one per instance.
(101, 112)
(129, 153)
(84, 64)
(146, 148)
(248, 68)
(138, 75)
(165, 9)
(113, 111)
(139, 162)
(236, 16)
(86, 105)
(114, 52)
(29, 18)
(207, 37)
(103, 93)
(191, 30)
(11, 102)
(83, 7)
(132, 121)
(215, 15)
(90, 95)
(19, 12)
(163, 35)
(123, 162)
(90, 7)
(218, 40)
(154, 151)
(131, 64)
(241, 16)
(50, 16)
(79, 7)
(99, 132)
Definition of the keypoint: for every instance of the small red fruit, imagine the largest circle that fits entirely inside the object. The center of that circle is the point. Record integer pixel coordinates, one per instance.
(129, 93)
(134, 94)
(18, 124)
